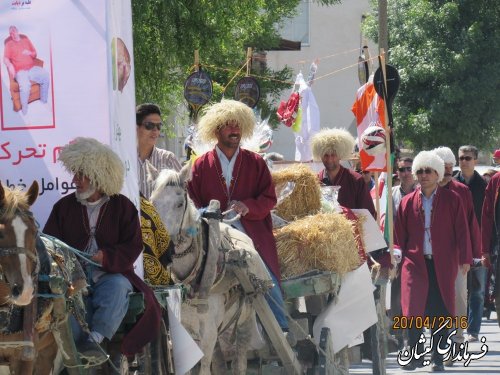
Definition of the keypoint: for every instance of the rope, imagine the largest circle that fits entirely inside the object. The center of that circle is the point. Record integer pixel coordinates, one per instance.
(86, 257)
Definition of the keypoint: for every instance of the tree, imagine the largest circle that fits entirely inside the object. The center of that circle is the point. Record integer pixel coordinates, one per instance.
(166, 33)
(447, 56)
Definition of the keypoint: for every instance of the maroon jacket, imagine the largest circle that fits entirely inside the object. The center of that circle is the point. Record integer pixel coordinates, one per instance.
(118, 234)
(488, 221)
(252, 184)
(450, 248)
(475, 233)
(353, 191)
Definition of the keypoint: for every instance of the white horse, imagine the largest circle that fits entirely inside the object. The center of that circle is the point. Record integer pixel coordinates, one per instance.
(225, 304)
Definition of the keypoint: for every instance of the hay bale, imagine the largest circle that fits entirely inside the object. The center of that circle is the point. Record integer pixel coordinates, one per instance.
(306, 196)
(325, 242)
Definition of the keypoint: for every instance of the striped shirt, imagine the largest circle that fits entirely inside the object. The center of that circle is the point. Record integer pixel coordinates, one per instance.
(160, 159)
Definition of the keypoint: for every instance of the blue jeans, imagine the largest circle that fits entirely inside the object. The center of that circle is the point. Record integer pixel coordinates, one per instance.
(106, 305)
(476, 298)
(272, 295)
(36, 74)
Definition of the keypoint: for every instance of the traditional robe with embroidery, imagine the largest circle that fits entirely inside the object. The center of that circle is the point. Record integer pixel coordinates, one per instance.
(118, 235)
(353, 191)
(466, 195)
(450, 240)
(251, 184)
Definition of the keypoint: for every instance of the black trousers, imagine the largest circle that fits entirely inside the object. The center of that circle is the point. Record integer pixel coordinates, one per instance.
(434, 307)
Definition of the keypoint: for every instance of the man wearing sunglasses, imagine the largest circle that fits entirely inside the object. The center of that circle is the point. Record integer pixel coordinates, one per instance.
(149, 125)
(467, 156)
(463, 191)
(432, 231)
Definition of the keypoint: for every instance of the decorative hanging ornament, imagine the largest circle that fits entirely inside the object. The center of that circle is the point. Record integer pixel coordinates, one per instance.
(373, 140)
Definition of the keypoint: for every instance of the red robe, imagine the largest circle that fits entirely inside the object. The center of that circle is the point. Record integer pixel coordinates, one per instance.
(353, 191)
(251, 184)
(118, 234)
(450, 248)
(475, 233)
(488, 221)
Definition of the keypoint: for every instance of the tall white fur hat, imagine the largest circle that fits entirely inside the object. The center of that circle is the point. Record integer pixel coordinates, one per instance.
(446, 154)
(335, 140)
(96, 161)
(219, 114)
(428, 159)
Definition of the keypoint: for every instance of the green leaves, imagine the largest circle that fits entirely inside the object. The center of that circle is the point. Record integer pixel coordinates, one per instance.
(446, 53)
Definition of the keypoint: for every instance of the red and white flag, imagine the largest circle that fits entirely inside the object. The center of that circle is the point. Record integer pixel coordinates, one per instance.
(368, 109)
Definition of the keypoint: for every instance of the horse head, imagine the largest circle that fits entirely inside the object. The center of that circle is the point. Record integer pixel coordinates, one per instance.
(173, 204)
(18, 231)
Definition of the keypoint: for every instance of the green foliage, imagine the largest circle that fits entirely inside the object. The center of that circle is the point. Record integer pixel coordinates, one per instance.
(166, 33)
(447, 54)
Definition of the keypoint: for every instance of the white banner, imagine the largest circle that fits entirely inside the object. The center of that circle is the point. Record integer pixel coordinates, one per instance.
(81, 85)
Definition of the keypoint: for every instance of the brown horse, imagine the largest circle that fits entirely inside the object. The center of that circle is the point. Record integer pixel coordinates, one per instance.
(27, 351)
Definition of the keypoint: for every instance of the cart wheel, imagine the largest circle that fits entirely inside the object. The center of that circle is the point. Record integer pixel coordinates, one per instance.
(161, 355)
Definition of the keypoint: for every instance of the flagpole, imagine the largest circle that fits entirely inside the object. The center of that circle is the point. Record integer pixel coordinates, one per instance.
(389, 212)
(377, 198)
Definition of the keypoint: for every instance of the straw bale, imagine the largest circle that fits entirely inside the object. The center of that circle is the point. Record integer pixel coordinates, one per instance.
(325, 242)
(306, 196)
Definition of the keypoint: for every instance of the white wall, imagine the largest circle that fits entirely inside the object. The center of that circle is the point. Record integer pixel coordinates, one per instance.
(333, 30)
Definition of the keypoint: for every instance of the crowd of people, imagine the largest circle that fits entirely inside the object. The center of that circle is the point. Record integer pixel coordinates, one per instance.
(446, 223)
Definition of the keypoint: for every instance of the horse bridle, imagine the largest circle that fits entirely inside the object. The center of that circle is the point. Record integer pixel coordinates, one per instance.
(16, 250)
(190, 248)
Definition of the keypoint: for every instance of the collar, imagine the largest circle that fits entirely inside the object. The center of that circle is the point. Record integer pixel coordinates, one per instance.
(223, 156)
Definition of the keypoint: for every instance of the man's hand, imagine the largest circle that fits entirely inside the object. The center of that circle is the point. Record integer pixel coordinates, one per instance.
(240, 207)
(98, 257)
(465, 268)
(485, 261)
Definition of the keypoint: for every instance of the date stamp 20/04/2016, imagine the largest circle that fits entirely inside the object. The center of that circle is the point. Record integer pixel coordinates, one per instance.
(429, 322)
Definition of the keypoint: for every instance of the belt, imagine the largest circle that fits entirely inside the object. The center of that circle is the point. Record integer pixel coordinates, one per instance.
(428, 256)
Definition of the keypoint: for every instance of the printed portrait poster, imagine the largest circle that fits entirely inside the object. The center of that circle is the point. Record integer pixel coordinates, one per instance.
(74, 62)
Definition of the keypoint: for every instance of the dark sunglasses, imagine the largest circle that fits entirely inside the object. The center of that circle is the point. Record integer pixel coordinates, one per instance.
(403, 169)
(152, 125)
(468, 158)
(426, 171)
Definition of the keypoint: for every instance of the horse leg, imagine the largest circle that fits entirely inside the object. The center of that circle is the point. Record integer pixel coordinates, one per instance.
(218, 360)
(208, 338)
(243, 338)
(47, 352)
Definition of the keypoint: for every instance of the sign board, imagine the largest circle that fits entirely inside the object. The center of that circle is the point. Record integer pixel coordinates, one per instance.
(84, 87)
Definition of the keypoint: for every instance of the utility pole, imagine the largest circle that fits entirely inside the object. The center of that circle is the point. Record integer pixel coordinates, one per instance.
(383, 40)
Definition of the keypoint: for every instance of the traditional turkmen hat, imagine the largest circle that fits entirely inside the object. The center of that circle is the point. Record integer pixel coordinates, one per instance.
(428, 159)
(98, 162)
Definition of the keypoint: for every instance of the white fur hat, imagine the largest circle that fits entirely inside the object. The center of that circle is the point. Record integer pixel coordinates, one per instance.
(96, 161)
(428, 159)
(446, 154)
(328, 141)
(219, 114)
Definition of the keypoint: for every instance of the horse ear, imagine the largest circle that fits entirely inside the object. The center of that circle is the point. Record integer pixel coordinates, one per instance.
(32, 193)
(186, 173)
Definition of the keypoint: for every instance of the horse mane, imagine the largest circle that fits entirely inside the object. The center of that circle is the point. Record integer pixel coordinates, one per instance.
(15, 200)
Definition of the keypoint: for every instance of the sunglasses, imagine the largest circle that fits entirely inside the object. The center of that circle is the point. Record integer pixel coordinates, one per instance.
(362, 172)
(152, 125)
(404, 169)
(426, 171)
(468, 158)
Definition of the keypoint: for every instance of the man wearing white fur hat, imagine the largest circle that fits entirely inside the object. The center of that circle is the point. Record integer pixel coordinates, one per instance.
(465, 194)
(431, 230)
(103, 223)
(331, 146)
(240, 180)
